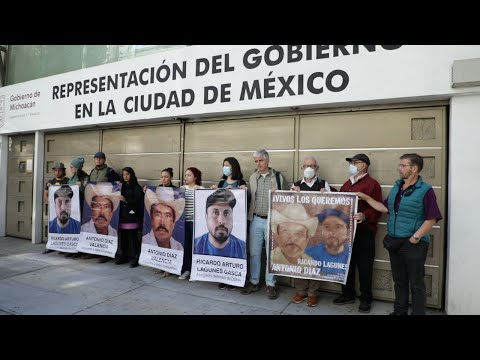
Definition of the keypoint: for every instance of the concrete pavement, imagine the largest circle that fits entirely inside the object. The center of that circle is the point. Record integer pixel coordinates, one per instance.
(32, 283)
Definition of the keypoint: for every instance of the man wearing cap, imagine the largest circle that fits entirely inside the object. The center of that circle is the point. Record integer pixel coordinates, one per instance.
(102, 172)
(219, 240)
(363, 251)
(164, 211)
(103, 202)
(59, 179)
(63, 223)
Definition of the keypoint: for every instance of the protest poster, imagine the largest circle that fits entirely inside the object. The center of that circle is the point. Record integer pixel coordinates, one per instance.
(163, 229)
(220, 232)
(99, 230)
(63, 218)
(311, 234)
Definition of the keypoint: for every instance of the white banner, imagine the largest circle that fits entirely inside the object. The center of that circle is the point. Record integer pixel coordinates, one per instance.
(214, 80)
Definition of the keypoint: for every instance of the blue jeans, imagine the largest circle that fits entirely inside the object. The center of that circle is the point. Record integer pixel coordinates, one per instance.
(258, 237)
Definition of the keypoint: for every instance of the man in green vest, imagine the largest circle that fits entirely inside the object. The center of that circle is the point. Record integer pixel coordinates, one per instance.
(412, 211)
(102, 172)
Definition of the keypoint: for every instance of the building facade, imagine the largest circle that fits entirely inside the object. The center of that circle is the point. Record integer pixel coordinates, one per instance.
(196, 105)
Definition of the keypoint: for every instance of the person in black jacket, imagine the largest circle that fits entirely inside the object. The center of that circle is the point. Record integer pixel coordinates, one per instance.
(232, 178)
(131, 218)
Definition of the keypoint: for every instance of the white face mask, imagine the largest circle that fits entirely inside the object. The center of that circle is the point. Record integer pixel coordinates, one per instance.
(308, 173)
(352, 169)
(227, 170)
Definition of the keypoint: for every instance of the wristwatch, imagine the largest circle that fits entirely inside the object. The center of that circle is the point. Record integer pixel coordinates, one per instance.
(416, 237)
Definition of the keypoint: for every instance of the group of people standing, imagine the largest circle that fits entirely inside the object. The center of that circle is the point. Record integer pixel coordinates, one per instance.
(411, 206)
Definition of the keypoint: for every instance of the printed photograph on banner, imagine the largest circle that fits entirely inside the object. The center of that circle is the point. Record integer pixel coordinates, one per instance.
(311, 234)
(163, 229)
(99, 230)
(220, 232)
(63, 218)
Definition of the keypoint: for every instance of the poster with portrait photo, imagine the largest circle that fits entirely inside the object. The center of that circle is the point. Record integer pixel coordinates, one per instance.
(99, 230)
(311, 234)
(163, 229)
(220, 233)
(63, 218)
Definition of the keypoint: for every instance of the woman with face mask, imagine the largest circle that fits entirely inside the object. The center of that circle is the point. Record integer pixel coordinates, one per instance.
(232, 175)
(232, 178)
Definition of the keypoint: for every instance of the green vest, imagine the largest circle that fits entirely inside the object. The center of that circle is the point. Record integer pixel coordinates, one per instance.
(411, 211)
(99, 174)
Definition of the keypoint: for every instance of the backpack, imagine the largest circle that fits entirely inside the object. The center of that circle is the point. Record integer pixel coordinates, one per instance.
(279, 183)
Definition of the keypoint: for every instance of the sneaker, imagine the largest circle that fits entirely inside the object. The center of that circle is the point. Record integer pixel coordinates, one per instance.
(297, 299)
(342, 300)
(133, 263)
(185, 275)
(271, 292)
(395, 312)
(231, 288)
(222, 286)
(47, 251)
(165, 274)
(249, 288)
(121, 260)
(364, 307)
(312, 301)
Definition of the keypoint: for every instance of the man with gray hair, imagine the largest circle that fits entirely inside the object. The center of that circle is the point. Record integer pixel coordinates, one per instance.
(307, 288)
(261, 181)
(310, 181)
(219, 240)
(63, 223)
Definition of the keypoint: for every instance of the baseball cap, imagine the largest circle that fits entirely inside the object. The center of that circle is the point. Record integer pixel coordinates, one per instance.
(360, 157)
(58, 165)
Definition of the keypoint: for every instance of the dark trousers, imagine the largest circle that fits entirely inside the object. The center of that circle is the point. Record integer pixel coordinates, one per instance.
(129, 244)
(187, 247)
(363, 254)
(408, 269)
